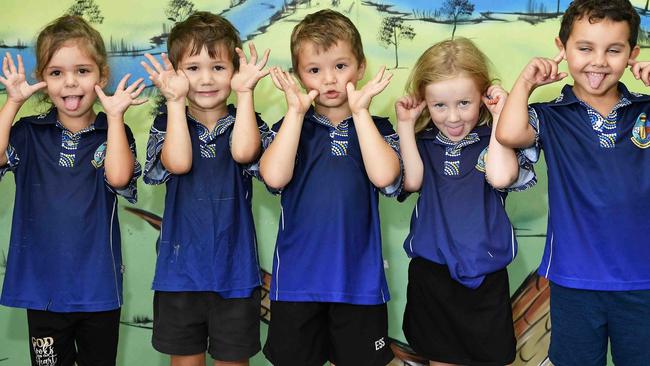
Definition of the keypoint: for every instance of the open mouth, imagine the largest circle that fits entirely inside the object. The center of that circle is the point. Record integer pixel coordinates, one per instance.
(332, 94)
(72, 102)
(455, 131)
(595, 79)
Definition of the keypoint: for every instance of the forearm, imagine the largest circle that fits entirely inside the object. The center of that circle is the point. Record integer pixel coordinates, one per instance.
(7, 115)
(278, 161)
(176, 154)
(501, 165)
(413, 167)
(119, 160)
(380, 160)
(513, 130)
(246, 145)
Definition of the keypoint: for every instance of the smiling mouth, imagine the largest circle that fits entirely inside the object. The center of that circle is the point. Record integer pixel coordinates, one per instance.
(455, 131)
(72, 102)
(207, 93)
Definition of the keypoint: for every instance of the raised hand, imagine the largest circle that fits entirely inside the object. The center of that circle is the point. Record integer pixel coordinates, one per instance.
(360, 99)
(15, 82)
(173, 84)
(641, 70)
(408, 109)
(250, 72)
(297, 100)
(495, 99)
(542, 71)
(123, 98)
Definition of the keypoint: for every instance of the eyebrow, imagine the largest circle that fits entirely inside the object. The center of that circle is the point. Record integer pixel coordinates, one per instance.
(585, 42)
(61, 67)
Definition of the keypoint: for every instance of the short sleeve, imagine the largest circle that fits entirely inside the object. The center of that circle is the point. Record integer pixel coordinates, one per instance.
(130, 192)
(154, 171)
(17, 142)
(526, 177)
(532, 153)
(392, 139)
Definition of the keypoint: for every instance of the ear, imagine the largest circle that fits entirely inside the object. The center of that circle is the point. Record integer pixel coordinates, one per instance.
(559, 45)
(103, 80)
(362, 70)
(635, 52)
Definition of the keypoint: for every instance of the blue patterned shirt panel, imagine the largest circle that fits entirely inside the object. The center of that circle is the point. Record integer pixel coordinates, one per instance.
(130, 192)
(70, 143)
(605, 127)
(12, 161)
(453, 151)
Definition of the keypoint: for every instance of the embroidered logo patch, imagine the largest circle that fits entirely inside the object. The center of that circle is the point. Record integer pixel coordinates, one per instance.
(641, 132)
(480, 163)
(100, 155)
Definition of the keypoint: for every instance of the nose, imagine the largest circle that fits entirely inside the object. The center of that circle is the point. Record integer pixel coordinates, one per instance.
(599, 60)
(329, 77)
(454, 115)
(70, 80)
(206, 77)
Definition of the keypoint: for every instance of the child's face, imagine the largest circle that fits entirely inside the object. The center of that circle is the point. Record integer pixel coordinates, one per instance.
(71, 76)
(328, 72)
(209, 78)
(597, 55)
(454, 106)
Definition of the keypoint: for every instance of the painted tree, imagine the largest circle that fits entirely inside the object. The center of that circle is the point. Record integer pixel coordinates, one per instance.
(645, 10)
(391, 31)
(558, 8)
(88, 10)
(179, 10)
(456, 10)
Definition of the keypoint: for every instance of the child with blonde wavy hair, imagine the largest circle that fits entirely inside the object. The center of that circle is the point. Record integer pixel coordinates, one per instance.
(461, 240)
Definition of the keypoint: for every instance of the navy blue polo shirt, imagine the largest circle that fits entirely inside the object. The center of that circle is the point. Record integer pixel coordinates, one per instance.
(64, 250)
(598, 191)
(459, 219)
(207, 239)
(329, 240)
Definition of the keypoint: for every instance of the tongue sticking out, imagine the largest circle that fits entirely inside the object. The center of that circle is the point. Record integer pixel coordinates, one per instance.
(72, 103)
(455, 131)
(595, 79)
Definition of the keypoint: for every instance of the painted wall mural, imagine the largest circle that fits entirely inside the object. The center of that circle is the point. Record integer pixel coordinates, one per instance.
(395, 33)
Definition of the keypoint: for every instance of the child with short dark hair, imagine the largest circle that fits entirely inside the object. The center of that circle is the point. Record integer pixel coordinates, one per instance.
(207, 279)
(329, 157)
(595, 139)
(70, 164)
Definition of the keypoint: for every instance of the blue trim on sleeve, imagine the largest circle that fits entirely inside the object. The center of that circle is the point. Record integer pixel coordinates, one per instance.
(154, 171)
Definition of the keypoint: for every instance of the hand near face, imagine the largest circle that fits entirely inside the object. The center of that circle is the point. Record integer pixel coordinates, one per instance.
(250, 72)
(15, 82)
(541, 71)
(123, 98)
(408, 109)
(171, 83)
(640, 70)
(297, 100)
(495, 99)
(360, 99)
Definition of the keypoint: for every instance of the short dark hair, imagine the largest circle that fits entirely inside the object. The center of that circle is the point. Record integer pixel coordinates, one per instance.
(199, 30)
(597, 10)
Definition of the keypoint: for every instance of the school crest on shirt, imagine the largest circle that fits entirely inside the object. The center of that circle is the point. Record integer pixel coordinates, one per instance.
(641, 132)
(100, 155)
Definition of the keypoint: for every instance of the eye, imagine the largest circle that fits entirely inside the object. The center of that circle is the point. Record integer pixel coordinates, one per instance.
(584, 49)
(464, 103)
(614, 50)
(55, 73)
(313, 70)
(438, 105)
(341, 66)
(84, 71)
(218, 68)
(191, 68)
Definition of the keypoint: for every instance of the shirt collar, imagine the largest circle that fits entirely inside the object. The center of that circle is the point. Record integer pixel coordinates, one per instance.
(322, 120)
(567, 96)
(49, 118)
(223, 123)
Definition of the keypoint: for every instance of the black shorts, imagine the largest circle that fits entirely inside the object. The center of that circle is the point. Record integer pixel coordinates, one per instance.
(189, 323)
(445, 321)
(63, 339)
(311, 333)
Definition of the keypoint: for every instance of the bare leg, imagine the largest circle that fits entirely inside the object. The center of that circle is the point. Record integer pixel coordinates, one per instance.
(192, 360)
(231, 363)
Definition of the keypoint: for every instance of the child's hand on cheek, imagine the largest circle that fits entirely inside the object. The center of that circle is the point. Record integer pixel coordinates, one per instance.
(172, 84)
(297, 100)
(123, 98)
(408, 109)
(14, 80)
(360, 99)
(495, 99)
(542, 71)
(640, 70)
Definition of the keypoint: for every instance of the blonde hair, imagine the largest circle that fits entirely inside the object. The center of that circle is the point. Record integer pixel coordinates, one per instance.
(70, 28)
(447, 60)
(325, 28)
